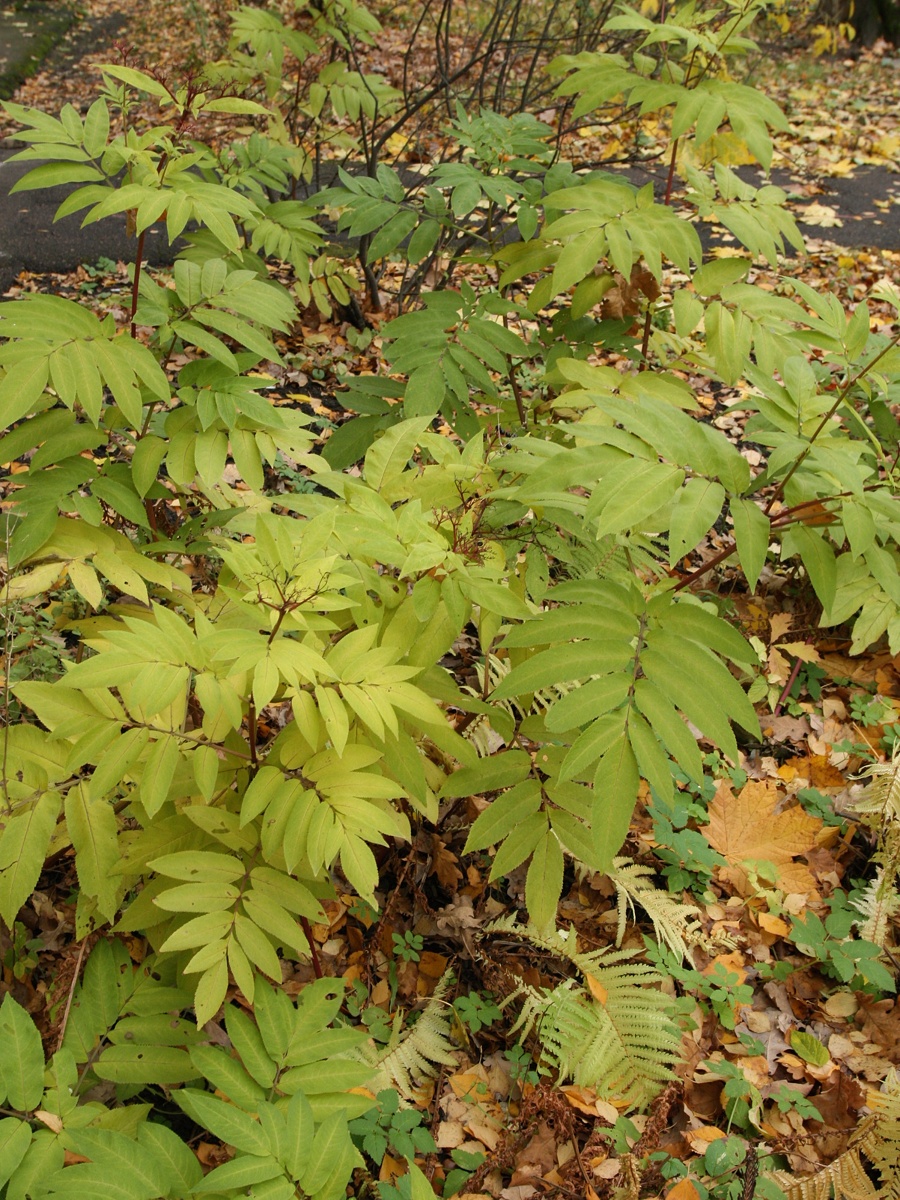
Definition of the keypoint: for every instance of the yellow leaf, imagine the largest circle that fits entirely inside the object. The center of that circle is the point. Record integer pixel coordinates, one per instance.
(773, 924)
(801, 650)
(727, 148)
(396, 144)
(683, 1190)
(597, 990)
(700, 1139)
(888, 146)
(747, 829)
(51, 1120)
(819, 214)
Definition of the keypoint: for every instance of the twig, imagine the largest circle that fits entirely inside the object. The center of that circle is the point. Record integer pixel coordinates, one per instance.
(314, 954)
(65, 1017)
(786, 691)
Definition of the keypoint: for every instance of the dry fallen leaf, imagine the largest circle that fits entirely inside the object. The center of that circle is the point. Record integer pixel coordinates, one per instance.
(683, 1190)
(597, 990)
(700, 1139)
(819, 214)
(746, 829)
(773, 924)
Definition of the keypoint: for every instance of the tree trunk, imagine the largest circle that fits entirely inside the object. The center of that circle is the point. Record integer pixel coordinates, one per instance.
(872, 19)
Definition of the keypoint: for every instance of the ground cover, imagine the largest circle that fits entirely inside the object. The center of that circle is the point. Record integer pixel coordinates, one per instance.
(750, 886)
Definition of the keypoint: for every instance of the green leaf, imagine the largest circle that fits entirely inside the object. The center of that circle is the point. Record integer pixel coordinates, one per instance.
(199, 866)
(225, 1121)
(818, 558)
(543, 883)
(94, 831)
(23, 848)
(21, 1057)
(498, 771)
(592, 743)
(201, 931)
(118, 1157)
(15, 1138)
(586, 703)
(521, 842)
(689, 620)
(359, 865)
(246, 1039)
(137, 79)
(160, 1065)
(275, 1020)
(234, 104)
(752, 532)
(240, 1173)
(388, 456)
(425, 391)
(616, 783)
(697, 508)
(669, 727)
(809, 1048)
(22, 387)
(298, 1135)
(561, 664)
(228, 1077)
(172, 1154)
(692, 695)
(327, 1152)
(503, 814)
(651, 759)
(645, 489)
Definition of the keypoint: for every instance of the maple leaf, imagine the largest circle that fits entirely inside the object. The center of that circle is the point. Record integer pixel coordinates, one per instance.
(747, 829)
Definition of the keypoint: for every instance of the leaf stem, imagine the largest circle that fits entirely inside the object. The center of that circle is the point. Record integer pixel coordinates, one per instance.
(139, 254)
(841, 397)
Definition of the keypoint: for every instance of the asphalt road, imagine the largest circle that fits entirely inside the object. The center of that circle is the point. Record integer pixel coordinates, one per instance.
(30, 240)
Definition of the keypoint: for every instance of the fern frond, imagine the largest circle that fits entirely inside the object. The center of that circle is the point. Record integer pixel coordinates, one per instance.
(564, 944)
(613, 1032)
(674, 923)
(878, 904)
(882, 796)
(414, 1052)
(879, 1138)
(846, 1175)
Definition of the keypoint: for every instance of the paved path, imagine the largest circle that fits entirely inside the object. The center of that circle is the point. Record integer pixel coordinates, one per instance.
(28, 32)
(31, 241)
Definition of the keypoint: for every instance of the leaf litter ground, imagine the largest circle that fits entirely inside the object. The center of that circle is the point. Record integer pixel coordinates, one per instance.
(767, 849)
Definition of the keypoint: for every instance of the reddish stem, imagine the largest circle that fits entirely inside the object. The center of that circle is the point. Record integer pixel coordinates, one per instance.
(786, 691)
(314, 954)
(137, 279)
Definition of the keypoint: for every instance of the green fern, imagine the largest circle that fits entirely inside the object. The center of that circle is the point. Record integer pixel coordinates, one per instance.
(613, 1031)
(674, 922)
(878, 904)
(413, 1051)
(879, 808)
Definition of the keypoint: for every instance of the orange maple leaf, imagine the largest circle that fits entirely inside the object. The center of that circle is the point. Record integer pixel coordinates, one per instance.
(747, 829)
